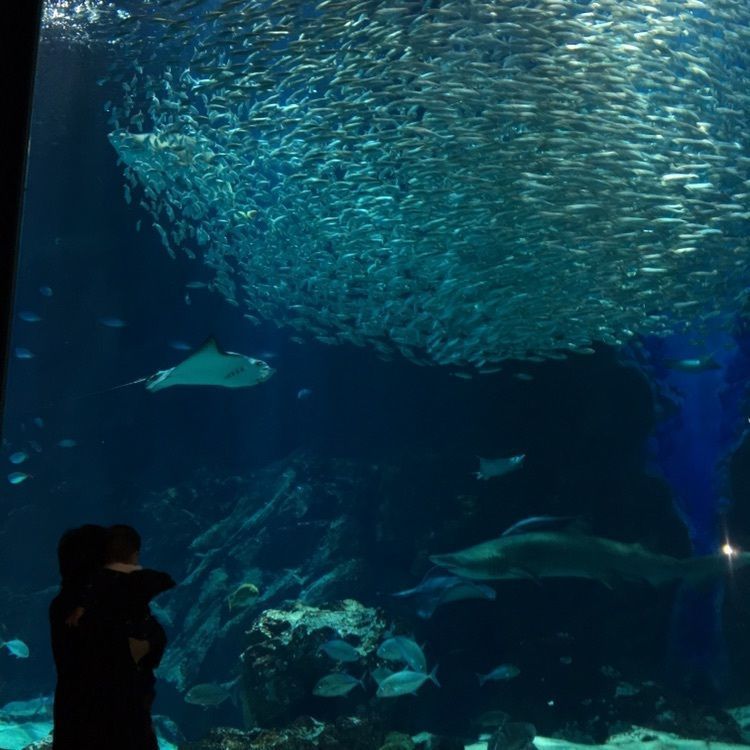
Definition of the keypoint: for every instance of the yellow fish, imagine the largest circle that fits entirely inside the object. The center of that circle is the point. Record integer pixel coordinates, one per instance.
(243, 595)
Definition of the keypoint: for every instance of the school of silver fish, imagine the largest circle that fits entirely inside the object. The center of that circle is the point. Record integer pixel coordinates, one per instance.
(461, 181)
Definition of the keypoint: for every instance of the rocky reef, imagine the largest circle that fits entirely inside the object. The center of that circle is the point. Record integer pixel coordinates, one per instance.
(345, 733)
(304, 734)
(292, 531)
(273, 564)
(283, 660)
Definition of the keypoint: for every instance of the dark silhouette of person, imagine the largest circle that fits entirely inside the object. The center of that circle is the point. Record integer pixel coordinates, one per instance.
(109, 644)
(80, 552)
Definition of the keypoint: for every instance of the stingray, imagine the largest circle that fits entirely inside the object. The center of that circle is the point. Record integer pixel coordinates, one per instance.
(209, 365)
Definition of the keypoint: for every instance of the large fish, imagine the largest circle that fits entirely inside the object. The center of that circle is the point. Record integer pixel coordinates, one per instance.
(556, 554)
(208, 365)
(435, 591)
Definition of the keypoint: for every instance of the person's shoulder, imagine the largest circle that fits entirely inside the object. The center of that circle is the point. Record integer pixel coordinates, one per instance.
(153, 575)
(149, 572)
(155, 581)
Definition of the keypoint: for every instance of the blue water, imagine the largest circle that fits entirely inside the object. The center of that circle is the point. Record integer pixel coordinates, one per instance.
(582, 424)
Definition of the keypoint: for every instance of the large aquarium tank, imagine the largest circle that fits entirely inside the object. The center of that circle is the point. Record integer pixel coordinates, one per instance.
(413, 338)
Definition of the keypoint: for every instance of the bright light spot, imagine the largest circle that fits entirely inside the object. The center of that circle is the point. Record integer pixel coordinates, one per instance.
(728, 550)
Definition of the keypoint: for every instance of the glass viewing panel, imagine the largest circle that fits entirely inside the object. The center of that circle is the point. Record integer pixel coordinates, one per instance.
(411, 337)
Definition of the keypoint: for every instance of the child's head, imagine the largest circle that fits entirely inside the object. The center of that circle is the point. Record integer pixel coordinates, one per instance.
(123, 544)
(80, 552)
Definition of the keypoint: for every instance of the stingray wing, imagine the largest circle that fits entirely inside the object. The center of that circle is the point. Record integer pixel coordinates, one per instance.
(209, 365)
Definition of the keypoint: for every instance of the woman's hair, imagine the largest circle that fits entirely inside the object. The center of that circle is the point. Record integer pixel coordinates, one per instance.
(121, 543)
(80, 552)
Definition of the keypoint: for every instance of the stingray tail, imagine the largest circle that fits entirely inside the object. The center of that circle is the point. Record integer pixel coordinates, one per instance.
(107, 390)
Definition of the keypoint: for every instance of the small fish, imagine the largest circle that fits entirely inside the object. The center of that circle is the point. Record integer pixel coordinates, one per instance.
(497, 467)
(304, 393)
(18, 457)
(405, 682)
(38, 421)
(339, 650)
(380, 673)
(566, 660)
(336, 684)
(35, 446)
(67, 443)
(112, 322)
(196, 285)
(209, 694)
(22, 353)
(34, 707)
(45, 291)
(402, 649)
(503, 672)
(243, 595)
(29, 317)
(694, 364)
(181, 346)
(17, 477)
(16, 648)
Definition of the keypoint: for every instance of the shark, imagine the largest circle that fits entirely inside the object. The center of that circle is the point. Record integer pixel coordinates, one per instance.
(564, 554)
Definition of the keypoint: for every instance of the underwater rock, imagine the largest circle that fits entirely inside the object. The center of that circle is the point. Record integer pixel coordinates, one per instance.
(346, 733)
(649, 704)
(283, 661)
(638, 738)
(43, 744)
(741, 715)
(613, 705)
(428, 741)
(334, 584)
(311, 505)
(514, 735)
(398, 741)
(221, 738)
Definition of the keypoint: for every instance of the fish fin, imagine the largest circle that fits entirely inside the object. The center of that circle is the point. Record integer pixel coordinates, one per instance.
(233, 688)
(523, 573)
(433, 675)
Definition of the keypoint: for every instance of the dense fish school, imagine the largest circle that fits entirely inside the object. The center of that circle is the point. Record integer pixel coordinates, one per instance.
(460, 181)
